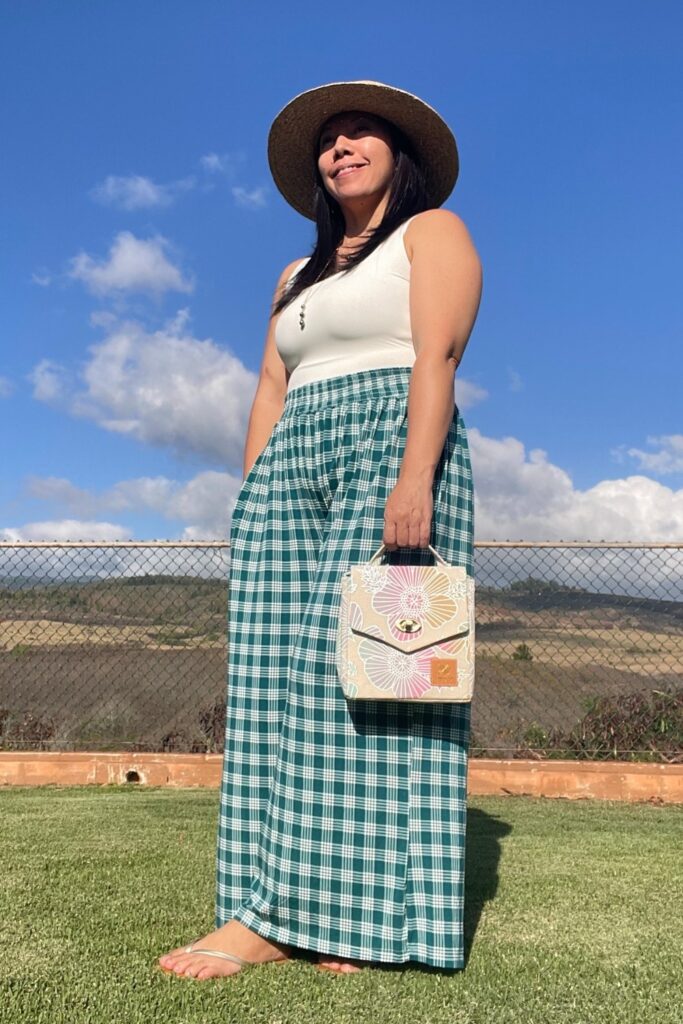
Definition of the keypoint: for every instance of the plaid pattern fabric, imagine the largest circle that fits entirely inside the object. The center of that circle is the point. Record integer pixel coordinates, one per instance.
(342, 824)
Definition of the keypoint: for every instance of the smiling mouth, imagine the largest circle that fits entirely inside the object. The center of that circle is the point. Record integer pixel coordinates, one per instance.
(348, 170)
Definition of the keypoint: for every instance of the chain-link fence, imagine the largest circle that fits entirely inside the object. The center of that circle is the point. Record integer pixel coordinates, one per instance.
(122, 646)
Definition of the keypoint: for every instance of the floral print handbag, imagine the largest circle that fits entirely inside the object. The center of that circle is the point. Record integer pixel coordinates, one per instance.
(406, 632)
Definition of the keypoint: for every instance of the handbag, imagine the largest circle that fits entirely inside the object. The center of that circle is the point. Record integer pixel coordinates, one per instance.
(406, 632)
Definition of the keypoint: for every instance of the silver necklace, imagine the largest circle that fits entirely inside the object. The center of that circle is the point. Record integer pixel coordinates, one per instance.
(302, 307)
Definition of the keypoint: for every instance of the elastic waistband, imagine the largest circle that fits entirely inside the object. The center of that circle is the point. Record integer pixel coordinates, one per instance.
(364, 385)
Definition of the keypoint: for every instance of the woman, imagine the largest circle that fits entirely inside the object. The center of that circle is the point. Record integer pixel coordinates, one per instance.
(342, 823)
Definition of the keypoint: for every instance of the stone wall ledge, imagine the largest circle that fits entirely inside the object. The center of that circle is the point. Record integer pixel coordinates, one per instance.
(574, 780)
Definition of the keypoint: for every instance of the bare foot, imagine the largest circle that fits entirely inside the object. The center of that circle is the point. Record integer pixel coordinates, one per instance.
(340, 964)
(233, 937)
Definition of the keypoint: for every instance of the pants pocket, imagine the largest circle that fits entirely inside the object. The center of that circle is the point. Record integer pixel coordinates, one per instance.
(253, 473)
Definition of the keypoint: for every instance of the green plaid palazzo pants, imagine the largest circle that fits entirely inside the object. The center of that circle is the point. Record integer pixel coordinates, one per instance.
(341, 824)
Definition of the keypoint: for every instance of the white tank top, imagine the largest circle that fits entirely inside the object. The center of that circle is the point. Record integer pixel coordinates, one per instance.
(359, 320)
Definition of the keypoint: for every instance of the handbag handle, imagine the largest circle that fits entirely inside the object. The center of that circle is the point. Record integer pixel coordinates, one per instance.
(433, 550)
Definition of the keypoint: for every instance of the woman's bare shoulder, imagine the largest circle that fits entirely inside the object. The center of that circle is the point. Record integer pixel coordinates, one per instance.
(287, 273)
(434, 227)
(291, 267)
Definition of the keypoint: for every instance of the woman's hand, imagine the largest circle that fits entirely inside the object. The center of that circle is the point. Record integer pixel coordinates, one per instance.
(408, 515)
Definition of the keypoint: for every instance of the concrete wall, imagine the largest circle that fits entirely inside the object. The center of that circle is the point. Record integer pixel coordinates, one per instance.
(621, 780)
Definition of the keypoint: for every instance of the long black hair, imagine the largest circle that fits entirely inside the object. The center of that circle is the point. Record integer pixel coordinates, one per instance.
(408, 195)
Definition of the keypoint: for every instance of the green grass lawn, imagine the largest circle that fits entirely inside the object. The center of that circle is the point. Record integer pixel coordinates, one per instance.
(574, 914)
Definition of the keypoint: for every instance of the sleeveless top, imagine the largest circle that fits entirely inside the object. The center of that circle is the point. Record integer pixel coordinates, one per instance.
(355, 320)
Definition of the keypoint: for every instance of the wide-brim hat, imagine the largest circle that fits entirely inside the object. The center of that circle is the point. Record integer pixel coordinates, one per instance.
(293, 135)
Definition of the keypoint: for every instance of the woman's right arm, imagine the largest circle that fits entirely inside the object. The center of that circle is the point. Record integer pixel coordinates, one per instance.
(269, 399)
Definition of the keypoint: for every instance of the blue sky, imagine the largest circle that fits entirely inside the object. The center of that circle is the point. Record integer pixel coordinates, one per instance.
(142, 238)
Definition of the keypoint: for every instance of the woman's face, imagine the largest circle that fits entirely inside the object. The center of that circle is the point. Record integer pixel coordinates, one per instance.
(362, 143)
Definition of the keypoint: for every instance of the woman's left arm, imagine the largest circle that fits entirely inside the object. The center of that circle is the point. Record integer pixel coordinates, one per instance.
(445, 292)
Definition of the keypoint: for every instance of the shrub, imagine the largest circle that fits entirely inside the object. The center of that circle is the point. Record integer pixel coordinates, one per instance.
(180, 741)
(644, 726)
(212, 725)
(522, 653)
(25, 730)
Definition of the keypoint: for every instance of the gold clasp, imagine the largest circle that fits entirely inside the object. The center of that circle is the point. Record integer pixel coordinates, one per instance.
(408, 625)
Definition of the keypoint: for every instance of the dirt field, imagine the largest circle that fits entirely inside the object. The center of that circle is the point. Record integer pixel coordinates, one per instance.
(112, 665)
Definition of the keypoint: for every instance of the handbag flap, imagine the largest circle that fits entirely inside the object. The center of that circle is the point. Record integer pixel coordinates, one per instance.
(408, 607)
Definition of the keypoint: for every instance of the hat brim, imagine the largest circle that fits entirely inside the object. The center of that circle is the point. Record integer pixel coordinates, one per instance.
(293, 135)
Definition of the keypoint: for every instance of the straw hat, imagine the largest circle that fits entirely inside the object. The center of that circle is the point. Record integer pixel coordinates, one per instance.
(293, 135)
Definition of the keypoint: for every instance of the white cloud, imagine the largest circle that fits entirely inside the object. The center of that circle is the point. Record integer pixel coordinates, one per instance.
(211, 162)
(529, 498)
(253, 199)
(164, 388)
(203, 504)
(61, 493)
(515, 380)
(467, 393)
(172, 390)
(65, 529)
(134, 265)
(518, 496)
(222, 163)
(6, 387)
(157, 494)
(669, 458)
(43, 279)
(50, 381)
(136, 192)
(103, 318)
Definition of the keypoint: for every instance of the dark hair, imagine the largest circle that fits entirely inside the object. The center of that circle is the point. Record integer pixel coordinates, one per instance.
(408, 195)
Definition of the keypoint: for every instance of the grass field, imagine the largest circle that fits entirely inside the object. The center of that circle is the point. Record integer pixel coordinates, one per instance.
(574, 914)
